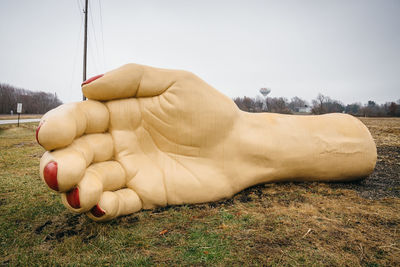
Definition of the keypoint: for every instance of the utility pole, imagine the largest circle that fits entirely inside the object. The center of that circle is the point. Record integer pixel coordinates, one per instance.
(85, 43)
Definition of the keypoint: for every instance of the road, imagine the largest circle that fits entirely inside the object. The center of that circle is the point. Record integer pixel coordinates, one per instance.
(20, 121)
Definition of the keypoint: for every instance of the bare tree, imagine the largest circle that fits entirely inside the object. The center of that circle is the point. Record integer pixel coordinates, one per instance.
(324, 104)
(394, 109)
(278, 105)
(354, 109)
(296, 103)
(318, 104)
(321, 105)
(33, 102)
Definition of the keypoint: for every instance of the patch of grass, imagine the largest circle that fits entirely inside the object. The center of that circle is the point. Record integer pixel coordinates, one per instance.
(23, 116)
(292, 224)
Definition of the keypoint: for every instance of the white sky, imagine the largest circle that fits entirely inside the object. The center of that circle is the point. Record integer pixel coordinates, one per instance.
(347, 49)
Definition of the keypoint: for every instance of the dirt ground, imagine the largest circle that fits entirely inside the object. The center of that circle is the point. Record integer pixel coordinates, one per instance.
(284, 224)
(385, 180)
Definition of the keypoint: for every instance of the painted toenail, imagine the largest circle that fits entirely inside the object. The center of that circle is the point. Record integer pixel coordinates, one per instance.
(37, 132)
(92, 79)
(97, 211)
(73, 198)
(50, 175)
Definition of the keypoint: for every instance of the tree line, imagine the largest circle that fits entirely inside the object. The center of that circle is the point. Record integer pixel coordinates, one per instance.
(41, 102)
(32, 102)
(322, 104)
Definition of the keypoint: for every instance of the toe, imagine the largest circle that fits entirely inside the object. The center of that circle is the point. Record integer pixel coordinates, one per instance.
(59, 127)
(106, 209)
(99, 177)
(50, 175)
(73, 198)
(85, 195)
(113, 204)
(62, 169)
(97, 212)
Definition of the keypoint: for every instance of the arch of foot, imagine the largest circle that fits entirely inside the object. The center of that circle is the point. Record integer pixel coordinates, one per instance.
(186, 159)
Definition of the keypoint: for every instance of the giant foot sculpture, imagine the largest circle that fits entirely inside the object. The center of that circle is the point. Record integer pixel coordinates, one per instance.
(152, 137)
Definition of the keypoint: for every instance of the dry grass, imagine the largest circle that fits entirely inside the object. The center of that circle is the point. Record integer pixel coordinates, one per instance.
(308, 224)
(386, 131)
(22, 116)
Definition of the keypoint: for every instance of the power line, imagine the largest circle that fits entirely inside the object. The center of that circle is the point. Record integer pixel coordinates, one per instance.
(93, 31)
(80, 7)
(85, 44)
(102, 36)
(77, 45)
(92, 56)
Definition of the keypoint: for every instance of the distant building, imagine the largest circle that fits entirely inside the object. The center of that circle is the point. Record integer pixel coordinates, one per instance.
(304, 109)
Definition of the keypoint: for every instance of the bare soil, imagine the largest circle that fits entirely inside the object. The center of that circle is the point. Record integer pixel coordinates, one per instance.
(283, 224)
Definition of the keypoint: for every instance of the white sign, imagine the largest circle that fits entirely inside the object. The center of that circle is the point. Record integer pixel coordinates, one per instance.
(19, 107)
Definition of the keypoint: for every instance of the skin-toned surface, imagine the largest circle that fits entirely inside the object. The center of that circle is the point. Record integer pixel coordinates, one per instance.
(152, 137)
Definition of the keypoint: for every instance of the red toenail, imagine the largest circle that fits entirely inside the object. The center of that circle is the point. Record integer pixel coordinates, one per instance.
(37, 133)
(50, 175)
(73, 198)
(92, 79)
(97, 211)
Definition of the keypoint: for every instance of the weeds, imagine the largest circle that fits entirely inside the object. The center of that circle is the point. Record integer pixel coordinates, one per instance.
(308, 224)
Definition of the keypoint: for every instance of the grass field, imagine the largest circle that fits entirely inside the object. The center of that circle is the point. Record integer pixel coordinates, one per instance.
(291, 224)
(22, 116)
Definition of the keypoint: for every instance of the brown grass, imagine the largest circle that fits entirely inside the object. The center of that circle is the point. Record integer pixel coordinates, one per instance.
(386, 131)
(22, 116)
(291, 224)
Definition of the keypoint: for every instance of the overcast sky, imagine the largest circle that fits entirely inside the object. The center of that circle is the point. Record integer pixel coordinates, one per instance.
(349, 50)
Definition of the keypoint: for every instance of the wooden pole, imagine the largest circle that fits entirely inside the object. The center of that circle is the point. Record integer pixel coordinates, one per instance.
(85, 43)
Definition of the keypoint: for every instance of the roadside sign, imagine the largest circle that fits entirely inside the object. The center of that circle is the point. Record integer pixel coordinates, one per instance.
(19, 110)
(19, 107)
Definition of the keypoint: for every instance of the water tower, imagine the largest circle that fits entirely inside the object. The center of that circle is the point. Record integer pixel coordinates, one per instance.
(265, 92)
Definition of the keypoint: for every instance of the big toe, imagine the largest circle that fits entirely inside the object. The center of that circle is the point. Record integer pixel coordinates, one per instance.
(62, 169)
